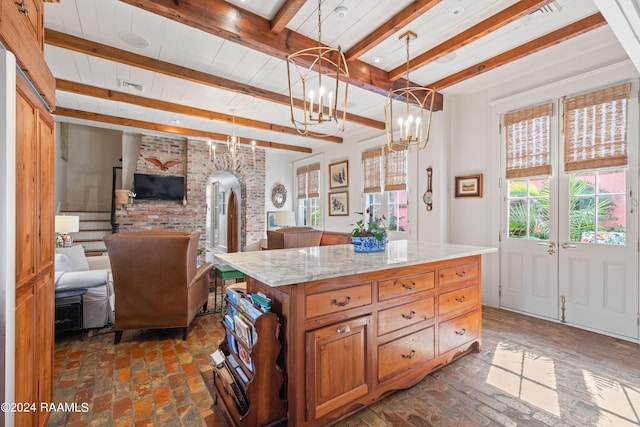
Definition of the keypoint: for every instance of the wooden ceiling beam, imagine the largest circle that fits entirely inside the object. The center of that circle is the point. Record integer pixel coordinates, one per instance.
(285, 14)
(573, 30)
(77, 44)
(229, 22)
(112, 95)
(398, 21)
(495, 22)
(103, 118)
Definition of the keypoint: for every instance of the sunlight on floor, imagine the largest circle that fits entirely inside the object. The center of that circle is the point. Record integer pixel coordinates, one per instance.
(526, 375)
(619, 403)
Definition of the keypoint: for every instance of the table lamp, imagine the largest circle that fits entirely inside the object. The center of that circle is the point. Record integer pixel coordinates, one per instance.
(63, 226)
(285, 219)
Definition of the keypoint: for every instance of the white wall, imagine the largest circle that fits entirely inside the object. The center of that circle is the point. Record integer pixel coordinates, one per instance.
(279, 169)
(130, 152)
(92, 154)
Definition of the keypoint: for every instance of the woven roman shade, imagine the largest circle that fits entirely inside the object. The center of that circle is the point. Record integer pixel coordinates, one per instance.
(395, 168)
(313, 180)
(595, 129)
(371, 170)
(528, 141)
(301, 173)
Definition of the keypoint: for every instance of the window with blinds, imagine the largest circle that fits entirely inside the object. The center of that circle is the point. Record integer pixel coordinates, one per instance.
(528, 141)
(395, 166)
(595, 129)
(308, 190)
(313, 180)
(371, 168)
(301, 174)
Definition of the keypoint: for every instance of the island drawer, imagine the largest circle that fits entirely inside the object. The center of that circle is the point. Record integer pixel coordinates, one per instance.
(459, 330)
(458, 299)
(405, 315)
(406, 352)
(451, 275)
(406, 285)
(338, 300)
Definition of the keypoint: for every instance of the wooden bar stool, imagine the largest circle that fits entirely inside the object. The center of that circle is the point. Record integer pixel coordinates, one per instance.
(224, 273)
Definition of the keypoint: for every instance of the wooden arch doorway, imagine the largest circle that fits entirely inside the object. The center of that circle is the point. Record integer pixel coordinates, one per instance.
(224, 212)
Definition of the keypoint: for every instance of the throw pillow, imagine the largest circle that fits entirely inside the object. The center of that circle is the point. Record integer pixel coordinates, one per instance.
(76, 256)
(63, 264)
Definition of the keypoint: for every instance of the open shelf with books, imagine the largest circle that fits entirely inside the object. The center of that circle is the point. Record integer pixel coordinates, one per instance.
(246, 375)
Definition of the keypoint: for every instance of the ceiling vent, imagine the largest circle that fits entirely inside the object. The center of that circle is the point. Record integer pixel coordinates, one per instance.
(129, 85)
(549, 8)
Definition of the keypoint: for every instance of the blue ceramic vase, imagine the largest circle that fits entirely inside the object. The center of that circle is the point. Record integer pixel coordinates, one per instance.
(368, 244)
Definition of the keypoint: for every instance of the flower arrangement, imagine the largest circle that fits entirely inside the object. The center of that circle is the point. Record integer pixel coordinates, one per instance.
(375, 227)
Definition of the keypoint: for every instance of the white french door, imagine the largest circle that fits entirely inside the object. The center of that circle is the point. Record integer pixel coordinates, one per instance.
(569, 242)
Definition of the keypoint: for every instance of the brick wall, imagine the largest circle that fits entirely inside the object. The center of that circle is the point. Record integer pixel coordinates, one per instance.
(196, 165)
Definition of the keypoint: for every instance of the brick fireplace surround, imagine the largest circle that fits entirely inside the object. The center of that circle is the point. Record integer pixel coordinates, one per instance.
(196, 166)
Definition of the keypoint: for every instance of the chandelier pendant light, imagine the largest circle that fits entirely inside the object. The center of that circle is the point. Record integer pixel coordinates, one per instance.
(315, 73)
(405, 121)
(232, 159)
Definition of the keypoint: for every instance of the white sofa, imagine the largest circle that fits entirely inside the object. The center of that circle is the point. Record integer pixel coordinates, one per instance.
(74, 270)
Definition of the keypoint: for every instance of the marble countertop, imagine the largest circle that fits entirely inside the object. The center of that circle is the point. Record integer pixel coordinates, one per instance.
(287, 266)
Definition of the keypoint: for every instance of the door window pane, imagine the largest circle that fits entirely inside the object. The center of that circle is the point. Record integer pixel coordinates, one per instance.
(597, 207)
(372, 201)
(529, 209)
(397, 210)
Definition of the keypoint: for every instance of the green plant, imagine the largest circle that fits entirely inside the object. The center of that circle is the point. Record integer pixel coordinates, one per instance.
(374, 227)
(201, 251)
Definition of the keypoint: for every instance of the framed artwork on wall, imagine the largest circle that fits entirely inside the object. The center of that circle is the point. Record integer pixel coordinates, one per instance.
(468, 186)
(271, 221)
(339, 203)
(339, 174)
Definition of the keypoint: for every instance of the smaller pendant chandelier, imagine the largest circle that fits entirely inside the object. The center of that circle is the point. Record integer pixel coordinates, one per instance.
(404, 114)
(315, 73)
(232, 159)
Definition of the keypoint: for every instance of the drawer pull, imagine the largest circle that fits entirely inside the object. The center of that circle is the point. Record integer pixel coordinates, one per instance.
(461, 299)
(343, 329)
(462, 332)
(410, 355)
(409, 287)
(22, 7)
(341, 304)
(410, 315)
(461, 274)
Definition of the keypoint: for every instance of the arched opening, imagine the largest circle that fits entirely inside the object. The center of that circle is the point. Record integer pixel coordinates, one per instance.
(223, 212)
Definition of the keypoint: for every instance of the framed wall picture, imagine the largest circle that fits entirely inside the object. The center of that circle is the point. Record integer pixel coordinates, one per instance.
(271, 221)
(468, 186)
(339, 174)
(339, 203)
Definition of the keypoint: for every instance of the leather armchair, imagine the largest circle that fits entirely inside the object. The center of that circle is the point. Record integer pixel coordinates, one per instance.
(157, 283)
(304, 237)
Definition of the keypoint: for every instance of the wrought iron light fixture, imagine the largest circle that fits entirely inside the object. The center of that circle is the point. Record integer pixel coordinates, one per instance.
(232, 159)
(315, 73)
(404, 114)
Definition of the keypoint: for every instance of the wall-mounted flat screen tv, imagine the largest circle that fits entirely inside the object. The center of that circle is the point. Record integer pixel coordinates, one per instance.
(156, 187)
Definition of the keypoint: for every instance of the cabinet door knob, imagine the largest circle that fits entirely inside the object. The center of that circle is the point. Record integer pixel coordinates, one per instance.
(410, 355)
(461, 274)
(343, 329)
(410, 315)
(409, 287)
(462, 332)
(341, 304)
(461, 299)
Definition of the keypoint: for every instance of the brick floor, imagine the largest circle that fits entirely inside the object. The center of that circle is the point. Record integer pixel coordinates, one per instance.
(530, 372)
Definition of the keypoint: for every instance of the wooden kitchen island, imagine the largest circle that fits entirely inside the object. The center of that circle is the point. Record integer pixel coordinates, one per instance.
(356, 326)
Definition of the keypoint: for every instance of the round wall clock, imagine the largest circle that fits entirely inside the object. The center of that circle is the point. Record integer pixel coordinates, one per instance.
(278, 195)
